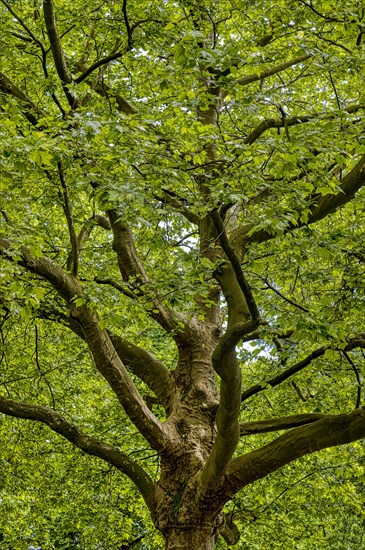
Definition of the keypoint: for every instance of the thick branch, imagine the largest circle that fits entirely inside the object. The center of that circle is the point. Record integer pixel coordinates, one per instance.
(350, 184)
(232, 336)
(66, 286)
(132, 270)
(146, 367)
(321, 207)
(114, 371)
(89, 444)
(130, 266)
(8, 87)
(106, 359)
(57, 51)
(228, 429)
(254, 77)
(236, 265)
(55, 42)
(277, 424)
(294, 121)
(327, 432)
(356, 342)
(140, 362)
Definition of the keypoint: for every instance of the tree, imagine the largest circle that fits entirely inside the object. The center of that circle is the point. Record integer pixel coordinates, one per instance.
(184, 212)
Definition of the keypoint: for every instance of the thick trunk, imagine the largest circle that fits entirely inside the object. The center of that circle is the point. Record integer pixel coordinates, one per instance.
(198, 539)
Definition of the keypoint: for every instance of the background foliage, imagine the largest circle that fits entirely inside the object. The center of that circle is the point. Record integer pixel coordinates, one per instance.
(127, 136)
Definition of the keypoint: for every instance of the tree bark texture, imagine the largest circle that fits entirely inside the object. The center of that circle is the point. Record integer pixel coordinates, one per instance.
(200, 539)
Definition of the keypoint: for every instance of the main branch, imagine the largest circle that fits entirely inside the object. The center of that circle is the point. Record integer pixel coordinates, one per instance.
(327, 432)
(321, 207)
(133, 272)
(89, 444)
(105, 356)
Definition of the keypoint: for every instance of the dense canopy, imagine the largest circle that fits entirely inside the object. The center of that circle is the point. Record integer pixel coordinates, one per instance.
(182, 274)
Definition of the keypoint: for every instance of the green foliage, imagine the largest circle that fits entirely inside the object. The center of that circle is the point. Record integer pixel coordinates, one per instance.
(138, 140)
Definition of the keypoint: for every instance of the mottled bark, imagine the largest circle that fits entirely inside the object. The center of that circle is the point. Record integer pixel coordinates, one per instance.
(200, 539)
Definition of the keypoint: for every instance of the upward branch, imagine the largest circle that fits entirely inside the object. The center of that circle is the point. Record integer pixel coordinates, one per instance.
(324, 433)
(133, 272)
(55, 42)
(321, 207)
(140, 362)
(57, 51)
(31, 111)
(228, 428)
(236, 265)
(73, 259)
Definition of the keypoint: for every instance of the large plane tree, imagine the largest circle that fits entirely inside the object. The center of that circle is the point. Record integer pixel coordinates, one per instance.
(183, 208)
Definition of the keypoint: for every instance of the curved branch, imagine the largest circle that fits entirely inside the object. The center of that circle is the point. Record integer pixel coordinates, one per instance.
(327, 432)
(104, 61)
(106, 358)
(89, 444)
(232, 336)
(236, 266)
(355, 342)
(228, 429)
(321, 207)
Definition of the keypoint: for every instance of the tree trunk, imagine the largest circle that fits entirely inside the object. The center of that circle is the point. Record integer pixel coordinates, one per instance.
(198, 539)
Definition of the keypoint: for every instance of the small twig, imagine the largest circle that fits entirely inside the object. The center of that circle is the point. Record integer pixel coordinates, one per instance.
(285, 298)
(37, 362)
(122, 289)
(357, 375)
(25, 27)
(73, 259)
(335, 90)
